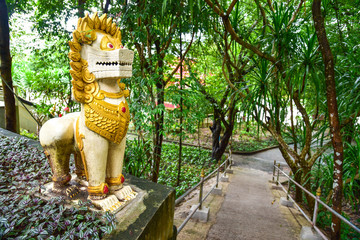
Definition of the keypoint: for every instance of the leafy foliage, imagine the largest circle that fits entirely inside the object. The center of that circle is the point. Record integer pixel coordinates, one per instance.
(24, 170)
(323, 174)
(194, 160)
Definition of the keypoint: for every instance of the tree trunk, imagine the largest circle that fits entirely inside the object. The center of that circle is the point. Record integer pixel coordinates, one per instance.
(106, 8)
(216, 131)
(81, 8)
(219, 143)
(5, 69)
(298, 191)
(159, 129)
(328, 60)
(181, 114)
(307, 180)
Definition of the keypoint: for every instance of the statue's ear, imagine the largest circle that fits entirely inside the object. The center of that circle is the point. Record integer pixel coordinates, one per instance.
(108, 25)
(87, 32)
(117, 35)
(103, 19)
(97, 22)
(89, 21)
(113, 29)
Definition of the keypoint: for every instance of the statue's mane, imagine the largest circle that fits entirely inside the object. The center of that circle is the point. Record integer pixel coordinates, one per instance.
(84, 85)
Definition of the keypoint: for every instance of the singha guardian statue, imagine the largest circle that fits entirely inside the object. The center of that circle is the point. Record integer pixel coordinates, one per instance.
(97, 135)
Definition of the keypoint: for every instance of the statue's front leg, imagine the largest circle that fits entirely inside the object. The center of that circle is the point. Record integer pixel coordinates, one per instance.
(95, 153)
(95, 150)
(114, 177)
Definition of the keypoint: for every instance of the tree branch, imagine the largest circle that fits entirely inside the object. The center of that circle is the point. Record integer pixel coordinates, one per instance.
(294, 15)
(181, 60)
(318, 153)
(215, 8)
(262, 12)
(231, 7)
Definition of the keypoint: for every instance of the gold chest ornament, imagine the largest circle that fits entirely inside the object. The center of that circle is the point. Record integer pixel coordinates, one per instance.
(108, 120)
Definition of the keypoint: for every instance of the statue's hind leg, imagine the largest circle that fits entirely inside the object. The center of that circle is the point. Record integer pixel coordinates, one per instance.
(58, 156)
(56, 137)
(79, 168)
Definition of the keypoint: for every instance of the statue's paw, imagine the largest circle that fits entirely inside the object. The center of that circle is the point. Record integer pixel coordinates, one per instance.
(111, 203)
(69, 191)
(125, 194)
(72, 191)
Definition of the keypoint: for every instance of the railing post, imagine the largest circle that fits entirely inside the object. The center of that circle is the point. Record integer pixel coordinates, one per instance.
(318, 194)
(217, 174)
(226, 161)
(201, 187)
(230, 159)
(278, 173)
(273, 178)
(288, 191)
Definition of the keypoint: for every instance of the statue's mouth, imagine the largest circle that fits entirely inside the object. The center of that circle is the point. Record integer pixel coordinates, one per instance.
(110, 64)
(120, 63)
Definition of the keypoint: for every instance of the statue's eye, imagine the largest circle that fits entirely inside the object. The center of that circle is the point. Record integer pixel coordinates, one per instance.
(108, 43)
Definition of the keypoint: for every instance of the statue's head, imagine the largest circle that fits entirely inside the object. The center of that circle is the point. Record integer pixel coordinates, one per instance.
(96, 53)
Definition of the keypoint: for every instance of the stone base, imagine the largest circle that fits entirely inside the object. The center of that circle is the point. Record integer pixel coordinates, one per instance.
(149, 215)
(308, 234)
(201, 214)
(276, 187)
(224, 179)
(285, 202)
(217, 191)
(229, 171)
(110, 203)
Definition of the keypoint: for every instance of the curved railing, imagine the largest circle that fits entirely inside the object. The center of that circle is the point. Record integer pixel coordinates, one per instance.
(228, 162)
(316, 198)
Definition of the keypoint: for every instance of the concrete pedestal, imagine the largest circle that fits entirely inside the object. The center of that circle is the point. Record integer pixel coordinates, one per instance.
(307, 233)
(224, 179)
(149, 216)
(276, 187)
(217, 191)
(201, 214)
(153, 219)
(285, 202)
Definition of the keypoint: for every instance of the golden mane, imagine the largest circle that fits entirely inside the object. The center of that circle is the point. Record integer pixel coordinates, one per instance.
(83, 82)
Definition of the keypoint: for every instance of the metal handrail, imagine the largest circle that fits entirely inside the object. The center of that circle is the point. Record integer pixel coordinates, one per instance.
(201, 199)
(179, 199)
(317, 200)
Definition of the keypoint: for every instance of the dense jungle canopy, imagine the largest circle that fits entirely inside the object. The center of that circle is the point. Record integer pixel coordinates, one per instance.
(290, 66)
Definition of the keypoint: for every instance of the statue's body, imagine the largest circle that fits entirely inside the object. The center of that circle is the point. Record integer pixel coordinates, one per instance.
(97, 134)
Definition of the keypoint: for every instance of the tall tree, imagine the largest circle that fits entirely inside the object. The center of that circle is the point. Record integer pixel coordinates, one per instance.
(5, 69)
(152, 30)
(210, 82)
(275, 46)
(334, 123)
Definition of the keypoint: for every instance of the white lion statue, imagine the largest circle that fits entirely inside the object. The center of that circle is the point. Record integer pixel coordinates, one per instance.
(97, 135)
